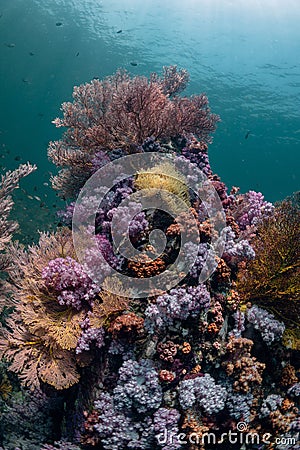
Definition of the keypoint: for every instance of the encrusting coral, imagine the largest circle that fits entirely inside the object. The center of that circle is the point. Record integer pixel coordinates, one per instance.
(132, 371)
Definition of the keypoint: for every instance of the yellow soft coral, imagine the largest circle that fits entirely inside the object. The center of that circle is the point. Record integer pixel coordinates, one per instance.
(164, 180)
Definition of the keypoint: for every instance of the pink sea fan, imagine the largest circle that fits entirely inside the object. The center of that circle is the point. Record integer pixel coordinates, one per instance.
(120, 112)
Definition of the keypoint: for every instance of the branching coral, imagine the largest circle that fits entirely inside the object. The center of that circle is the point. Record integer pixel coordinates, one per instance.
(110, 426)
(66, 277)
(239, 405)
(250, 209)
(144, 266)
(138, 388)
(180, 304)
(288, 376)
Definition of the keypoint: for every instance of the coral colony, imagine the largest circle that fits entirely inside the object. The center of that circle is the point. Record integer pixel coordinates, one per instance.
(211, 362)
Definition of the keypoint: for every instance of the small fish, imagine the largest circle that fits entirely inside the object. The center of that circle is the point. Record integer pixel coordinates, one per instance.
(31, 53)
(37, 198)
(247, 134)
(119, 31)
(58, 24)
(77, 54)
(25, 80)
(18, 158)
(46, 184)
(133, 63)
(42, 204)
(35, 188)
(10, 45)
(30, 197)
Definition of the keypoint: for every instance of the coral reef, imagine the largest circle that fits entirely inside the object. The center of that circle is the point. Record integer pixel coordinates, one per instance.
(112, 365)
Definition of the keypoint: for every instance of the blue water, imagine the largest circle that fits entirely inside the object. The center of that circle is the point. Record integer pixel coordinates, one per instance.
(244, 55)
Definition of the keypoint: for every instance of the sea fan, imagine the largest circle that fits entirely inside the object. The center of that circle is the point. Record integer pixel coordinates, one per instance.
(272, 279)
(41, 335)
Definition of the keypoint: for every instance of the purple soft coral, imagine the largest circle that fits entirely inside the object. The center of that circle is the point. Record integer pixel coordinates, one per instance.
(67, 278)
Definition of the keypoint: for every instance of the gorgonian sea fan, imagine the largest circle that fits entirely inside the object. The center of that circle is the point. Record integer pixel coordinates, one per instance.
(8, 183)
(177, 361)
(272, 278)
(42, 335)
(121, 112)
